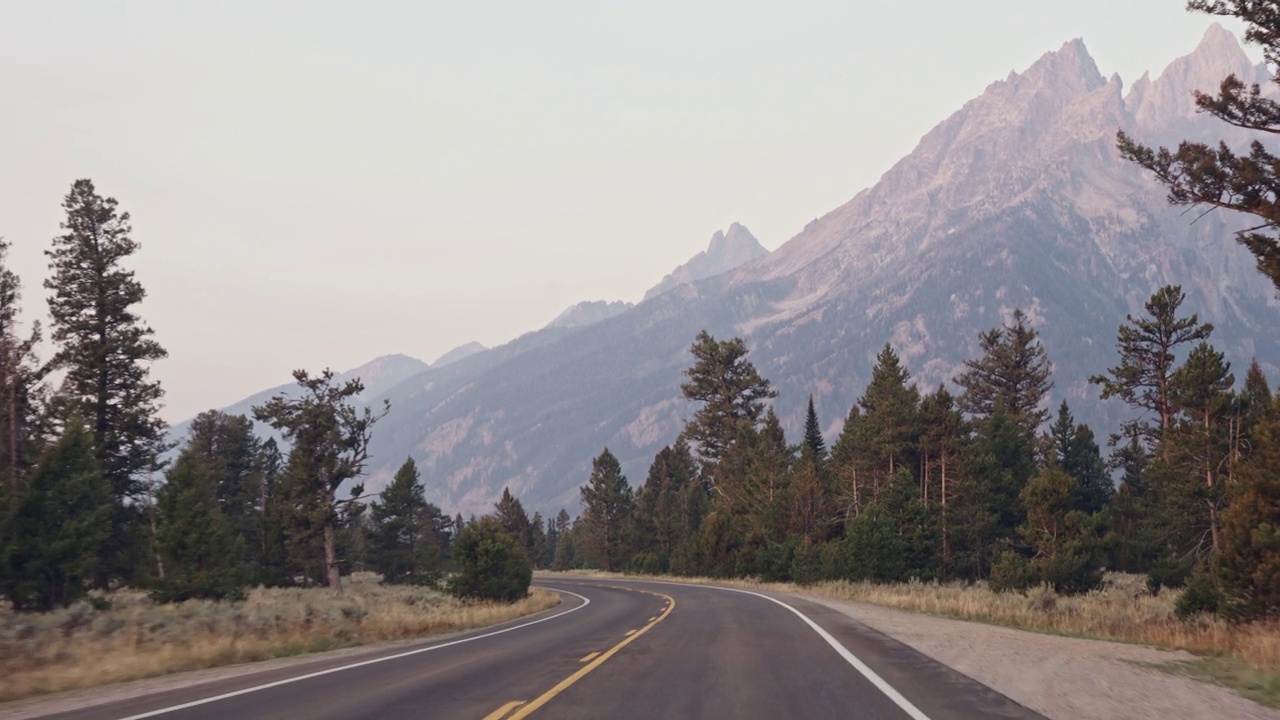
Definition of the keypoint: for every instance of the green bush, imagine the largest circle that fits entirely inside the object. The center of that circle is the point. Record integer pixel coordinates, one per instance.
(1011, 573)
(1167, 572)
(1201, 596)
(491, 563)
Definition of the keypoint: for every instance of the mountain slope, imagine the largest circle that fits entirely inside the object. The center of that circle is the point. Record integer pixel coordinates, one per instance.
(1018, 200)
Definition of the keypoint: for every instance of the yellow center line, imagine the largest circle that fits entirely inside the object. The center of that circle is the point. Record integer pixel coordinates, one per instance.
(525, 710)
(502, 711)
(590, 657)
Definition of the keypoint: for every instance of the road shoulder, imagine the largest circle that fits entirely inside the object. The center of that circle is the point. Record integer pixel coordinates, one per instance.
(1062, 678)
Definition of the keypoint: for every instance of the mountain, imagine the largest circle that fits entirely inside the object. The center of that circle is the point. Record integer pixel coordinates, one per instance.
(462, 352)
(1017, 200)
(378, 375)
(728, 250)
(589, 313)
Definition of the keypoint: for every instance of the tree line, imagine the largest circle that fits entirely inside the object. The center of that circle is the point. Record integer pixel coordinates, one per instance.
(986, 484)
(89, 500)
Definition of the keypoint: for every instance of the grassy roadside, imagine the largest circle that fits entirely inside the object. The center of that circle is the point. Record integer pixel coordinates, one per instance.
(134, 638)
(1245, 658)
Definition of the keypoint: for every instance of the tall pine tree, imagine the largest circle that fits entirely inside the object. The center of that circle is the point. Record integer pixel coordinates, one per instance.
(106, 350)
(1012, 373)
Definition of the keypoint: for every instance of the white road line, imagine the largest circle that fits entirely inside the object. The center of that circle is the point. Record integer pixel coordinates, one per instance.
(308, 676)
(881, 684)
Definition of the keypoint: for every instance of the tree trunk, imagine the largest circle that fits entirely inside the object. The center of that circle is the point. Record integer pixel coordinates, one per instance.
(331, 557)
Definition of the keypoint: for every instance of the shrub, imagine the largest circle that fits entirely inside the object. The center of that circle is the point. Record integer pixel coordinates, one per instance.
(1167, 572)
(1011, 573)
(491, 563)
(1201, 596)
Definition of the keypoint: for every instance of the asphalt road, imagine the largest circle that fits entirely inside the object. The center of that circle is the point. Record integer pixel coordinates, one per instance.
(630, 650)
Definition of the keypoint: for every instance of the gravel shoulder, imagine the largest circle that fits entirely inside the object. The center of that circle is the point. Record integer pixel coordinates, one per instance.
(1060, 677)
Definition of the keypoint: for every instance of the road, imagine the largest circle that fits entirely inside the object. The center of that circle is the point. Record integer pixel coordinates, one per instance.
(621, 649)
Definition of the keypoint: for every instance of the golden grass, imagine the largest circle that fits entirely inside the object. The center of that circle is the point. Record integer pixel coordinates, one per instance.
(81, 647)
(1122, 611)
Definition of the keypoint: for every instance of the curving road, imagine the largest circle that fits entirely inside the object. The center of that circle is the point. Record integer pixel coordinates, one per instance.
(625, 649)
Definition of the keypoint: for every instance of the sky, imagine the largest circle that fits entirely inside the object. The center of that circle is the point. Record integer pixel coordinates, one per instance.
(319, 183)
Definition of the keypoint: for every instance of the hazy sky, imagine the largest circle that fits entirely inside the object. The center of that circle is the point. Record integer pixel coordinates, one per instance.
(318, 183)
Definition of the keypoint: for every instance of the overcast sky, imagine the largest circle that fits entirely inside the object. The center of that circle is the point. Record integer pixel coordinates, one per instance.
(319, 183)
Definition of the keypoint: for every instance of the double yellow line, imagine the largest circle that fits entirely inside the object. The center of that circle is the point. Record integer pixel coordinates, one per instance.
(519, 710)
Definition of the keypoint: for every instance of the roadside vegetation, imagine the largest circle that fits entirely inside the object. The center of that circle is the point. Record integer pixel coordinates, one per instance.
(125, 635)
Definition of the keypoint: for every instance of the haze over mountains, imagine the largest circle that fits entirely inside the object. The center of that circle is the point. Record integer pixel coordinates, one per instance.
(1019, 199)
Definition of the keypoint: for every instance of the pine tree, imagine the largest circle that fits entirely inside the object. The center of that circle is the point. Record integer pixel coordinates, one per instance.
(491, 564)
(59, 525)
(330, 448)
(538, 535)
(988, 510)
(890, 418)
(1219, 177)
(201, 555)
(1064, 547)
(1198, 453)
(607, 509)
(813, 441)
(664, 518)
(1012, 373)
(105, 350)
(408, 534)
(1134, 514)
(1249, 567)
(731, 391)
(511, 515)
(1078, 454)
(22, 390)
(233, 456)
(1147, 345)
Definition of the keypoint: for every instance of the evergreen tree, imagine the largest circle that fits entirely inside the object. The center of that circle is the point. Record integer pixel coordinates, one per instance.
(22, 390)
(567, 546)
(330, 447)
(1198, 459)
(1012, 373)
(200, 555)
(813, 441)
(1064, 548)
(491, 564)
(1078, 454)
(890, 421)
(1147, 345)
(233, 456)
(511, 515)
(607, 508)
(105, 350)
(408, 534)
(538, 541)
(1219, 177)
(1249, 567)
(59, 525)
(1134, 514)
(731, 391)
(988, 509)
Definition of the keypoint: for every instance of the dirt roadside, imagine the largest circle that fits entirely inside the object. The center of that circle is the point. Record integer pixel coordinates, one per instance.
(1062, 678)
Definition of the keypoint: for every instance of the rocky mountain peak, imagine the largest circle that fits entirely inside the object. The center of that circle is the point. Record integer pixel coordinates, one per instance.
(1171, 96)
(727, 251)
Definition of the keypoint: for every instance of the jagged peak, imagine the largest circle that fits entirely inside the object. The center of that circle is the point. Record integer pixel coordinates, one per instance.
(1219, 41)
(727, 250)
(1070, 66)
(1171, 94)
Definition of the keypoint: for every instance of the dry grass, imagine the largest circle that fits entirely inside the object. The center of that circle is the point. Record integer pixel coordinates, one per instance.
(1122, 611)
(134, 638)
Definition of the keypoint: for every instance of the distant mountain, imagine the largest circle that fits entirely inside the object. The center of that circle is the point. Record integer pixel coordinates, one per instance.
(1018, 200)
(589, 313)
(461, 352)
(378, 375)
(728, 251)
